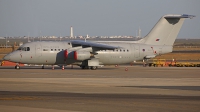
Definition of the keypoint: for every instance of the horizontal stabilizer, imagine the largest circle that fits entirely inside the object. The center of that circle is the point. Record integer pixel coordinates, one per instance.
(180, 16)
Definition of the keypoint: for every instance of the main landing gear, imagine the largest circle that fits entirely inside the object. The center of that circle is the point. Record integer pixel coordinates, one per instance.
(93, 67)
(87, 67)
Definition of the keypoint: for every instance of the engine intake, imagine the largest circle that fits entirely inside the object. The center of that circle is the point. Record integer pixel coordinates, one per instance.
(66, 54)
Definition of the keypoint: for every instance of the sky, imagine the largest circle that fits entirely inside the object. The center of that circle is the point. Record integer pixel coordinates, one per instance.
(93, 17)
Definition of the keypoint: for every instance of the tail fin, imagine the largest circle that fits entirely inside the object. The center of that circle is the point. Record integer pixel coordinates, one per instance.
(166, 30)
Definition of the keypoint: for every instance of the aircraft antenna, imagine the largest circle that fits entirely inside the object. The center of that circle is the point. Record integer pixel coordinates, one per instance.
(40, 35)
(6, 40)
(139, 32)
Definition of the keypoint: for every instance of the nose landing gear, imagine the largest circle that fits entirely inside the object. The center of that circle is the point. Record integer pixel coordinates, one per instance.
(17, 67)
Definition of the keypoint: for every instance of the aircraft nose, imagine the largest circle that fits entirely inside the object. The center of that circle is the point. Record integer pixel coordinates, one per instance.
(6, 57)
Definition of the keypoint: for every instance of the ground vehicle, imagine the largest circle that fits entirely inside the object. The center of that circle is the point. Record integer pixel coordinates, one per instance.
(187, 64)
(158, 62)
(173, 63)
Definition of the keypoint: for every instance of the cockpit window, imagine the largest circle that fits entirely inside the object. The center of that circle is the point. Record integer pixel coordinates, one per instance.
(24, 48)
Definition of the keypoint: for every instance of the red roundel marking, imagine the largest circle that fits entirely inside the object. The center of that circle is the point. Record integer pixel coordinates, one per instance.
(75, 55)
(66, 53)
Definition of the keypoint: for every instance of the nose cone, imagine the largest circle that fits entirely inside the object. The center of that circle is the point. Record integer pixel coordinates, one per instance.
(6, 57)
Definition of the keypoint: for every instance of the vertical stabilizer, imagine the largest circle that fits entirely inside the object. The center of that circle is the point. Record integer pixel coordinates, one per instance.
(166, 30)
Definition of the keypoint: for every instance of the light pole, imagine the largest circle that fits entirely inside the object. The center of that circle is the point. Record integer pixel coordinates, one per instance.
(6, 41)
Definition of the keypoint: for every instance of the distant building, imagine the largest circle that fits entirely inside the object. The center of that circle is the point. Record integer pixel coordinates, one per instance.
(2, 38)
(71, 32)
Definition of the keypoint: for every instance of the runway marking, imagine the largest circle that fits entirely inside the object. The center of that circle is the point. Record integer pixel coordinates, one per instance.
(193, 88)
(20, 98)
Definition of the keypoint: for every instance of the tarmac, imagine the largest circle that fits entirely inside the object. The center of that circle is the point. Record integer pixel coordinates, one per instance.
(107, 89)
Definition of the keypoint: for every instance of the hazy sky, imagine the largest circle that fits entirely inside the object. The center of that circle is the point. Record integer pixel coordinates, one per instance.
(93, 17)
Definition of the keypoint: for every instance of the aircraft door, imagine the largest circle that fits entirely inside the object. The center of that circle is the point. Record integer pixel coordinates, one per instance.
(38, 50)
(136, 51)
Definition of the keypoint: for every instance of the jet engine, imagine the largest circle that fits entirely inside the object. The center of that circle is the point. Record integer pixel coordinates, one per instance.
(66, 54)
(78, 53)
(81, 55)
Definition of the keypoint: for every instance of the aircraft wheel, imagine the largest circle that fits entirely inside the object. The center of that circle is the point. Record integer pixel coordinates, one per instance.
(43, 67)
(17, 67)
(82, 67)
(94, 67)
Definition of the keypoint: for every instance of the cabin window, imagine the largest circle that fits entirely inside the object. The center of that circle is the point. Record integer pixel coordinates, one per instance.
(28, 48)
(55, 49)
(45, 49)
(20, 48)
(51, 49)
(24, 48)
(58, 49)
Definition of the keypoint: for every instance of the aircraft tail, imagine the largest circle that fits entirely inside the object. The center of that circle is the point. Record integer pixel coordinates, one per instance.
(166, 30)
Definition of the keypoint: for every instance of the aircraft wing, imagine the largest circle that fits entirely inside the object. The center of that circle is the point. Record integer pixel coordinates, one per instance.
(98, 46)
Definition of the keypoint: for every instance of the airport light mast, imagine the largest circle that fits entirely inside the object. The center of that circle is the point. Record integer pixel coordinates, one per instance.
(71, 32)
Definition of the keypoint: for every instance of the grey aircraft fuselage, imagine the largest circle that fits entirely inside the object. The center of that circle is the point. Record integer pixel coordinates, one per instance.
(52, 53)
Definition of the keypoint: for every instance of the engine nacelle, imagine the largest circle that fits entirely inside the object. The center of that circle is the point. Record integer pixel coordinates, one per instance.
(69, 54)
(66, 54)
(81, 55)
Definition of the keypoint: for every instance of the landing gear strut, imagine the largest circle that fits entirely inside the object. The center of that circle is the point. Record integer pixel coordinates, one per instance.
(145, 62)
(87, 67)
(82, 67)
